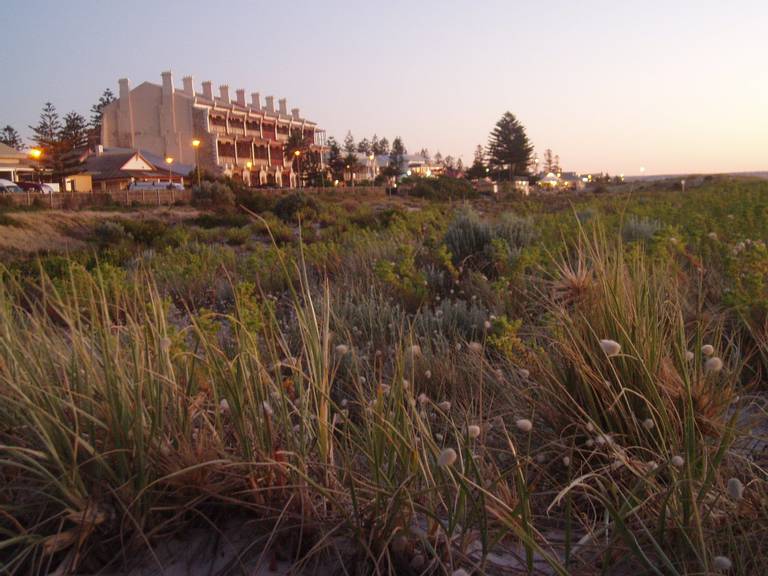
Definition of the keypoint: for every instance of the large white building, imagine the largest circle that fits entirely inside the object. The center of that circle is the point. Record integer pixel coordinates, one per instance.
(238, 138)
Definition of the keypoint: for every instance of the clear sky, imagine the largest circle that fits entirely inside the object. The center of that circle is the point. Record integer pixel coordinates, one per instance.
(675, 86)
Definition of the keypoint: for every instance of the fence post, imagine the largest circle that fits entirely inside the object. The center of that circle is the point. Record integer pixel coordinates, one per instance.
(173, 195)
(52, 193)
(143, 200)
(157, 191)
(29, 200)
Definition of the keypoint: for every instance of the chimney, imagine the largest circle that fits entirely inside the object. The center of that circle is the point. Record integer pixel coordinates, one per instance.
(125, 88)
(270, 103)
(167, 82)
(241, 97)
(208, 90)
(224, 93)
(295, 113)
(256, 100)
(189, 85)
(283, 103)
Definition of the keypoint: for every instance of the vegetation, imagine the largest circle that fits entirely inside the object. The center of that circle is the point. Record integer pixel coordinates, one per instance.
(397, 385)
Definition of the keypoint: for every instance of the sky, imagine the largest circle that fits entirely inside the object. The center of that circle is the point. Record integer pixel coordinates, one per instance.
(671, 86)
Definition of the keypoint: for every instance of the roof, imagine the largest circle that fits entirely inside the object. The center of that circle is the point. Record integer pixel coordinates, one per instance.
(6, 150)
(109, 166)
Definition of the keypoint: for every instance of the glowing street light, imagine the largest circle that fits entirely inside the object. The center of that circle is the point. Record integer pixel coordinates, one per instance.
(169, 161)
(35, 153)
(196, 146)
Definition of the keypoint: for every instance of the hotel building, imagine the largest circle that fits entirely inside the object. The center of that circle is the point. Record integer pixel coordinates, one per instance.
(241, 139)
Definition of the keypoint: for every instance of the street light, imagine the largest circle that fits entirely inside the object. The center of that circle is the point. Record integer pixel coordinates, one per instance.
(36, 154)
(297, 155)
(196, 146)
(169, 161)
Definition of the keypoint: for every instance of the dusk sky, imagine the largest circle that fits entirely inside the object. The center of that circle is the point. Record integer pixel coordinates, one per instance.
(672, 86)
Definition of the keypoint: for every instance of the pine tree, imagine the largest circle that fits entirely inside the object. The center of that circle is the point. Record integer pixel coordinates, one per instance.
(439, 158)
(375, 148)
(384, 146)
(425, 155)
(364, 147)
(10, 137)
(46, 133)
(350, 157)
(397, 158)
(509, 149)
(97, 114)
(74, 133)
(335, 161)
(477, 170)
(549, 163)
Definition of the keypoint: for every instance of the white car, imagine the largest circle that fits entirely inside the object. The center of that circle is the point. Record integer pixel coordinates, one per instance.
(8, 187)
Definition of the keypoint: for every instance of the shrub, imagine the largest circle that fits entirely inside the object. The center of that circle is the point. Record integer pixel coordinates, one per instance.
(296, 206)
(109, 232)
(216, 194)
(443, 188)
(638, 228)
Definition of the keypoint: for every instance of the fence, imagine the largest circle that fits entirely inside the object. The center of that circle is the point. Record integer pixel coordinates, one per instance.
(158, 197)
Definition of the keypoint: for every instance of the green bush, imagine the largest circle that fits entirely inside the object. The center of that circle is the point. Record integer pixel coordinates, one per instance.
(442, 188)
(296, 206)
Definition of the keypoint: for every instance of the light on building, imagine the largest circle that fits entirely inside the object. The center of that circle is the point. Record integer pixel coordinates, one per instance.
(249, 164)
(195, 143)
(168, 160)
(35, 153)
(642, 169)
(408, 173)
(297, 153)
(370, 157)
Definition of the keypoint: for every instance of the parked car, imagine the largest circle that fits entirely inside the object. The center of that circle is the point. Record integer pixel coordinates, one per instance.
(36, 187)
(8, 187)
(155, 186)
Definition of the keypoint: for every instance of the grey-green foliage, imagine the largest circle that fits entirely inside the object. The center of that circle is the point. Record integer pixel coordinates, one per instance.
(470, 239)
(639, 228)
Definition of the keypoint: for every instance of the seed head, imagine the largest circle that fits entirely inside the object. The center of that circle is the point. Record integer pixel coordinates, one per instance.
(648, 424)
(460, 572)
(610, 347)
(224, 406)
(735, 488)
(165, 344)
(447, 458)
(476, 347)
(524, 374)
(524, 425)
(267, 409)
(566, 461)
(722, 563)
(342, 349)
(677, 461)
(428, 374)
(473, 431)
(689, 355)
(713, 364)
(487, 325)
(415, 350)
(417, 562)
(707, 349)
(423, 399)
(445, 405)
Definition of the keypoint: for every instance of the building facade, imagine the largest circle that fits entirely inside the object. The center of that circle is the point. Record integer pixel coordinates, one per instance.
(241, 139)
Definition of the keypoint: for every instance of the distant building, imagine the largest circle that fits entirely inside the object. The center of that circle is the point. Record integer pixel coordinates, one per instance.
(550, 181)
(103, 169)
(14, 164)
(237, 138)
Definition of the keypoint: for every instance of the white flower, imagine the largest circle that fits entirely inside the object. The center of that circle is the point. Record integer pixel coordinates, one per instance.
(342, 349)
(712, 236)
(224, 406)
(677, 461)
(428, 374)
(541, 458)
(473, 431)
(590, 427)
(447, 458)
(713, 364)
(487, 325)
(458, 346)
(566, 461)
(384, 388)
(406, 384)
(610, 347)
(648, 424)
(524, 374)
(721, 563)
(524, 425)
(707, 349)
(423, 399)
(445, 405)
(165, 448)
(415, 350)
(735, 488)
(165, 344)
(652, 465)
(439, 437)
(460, 572)
(689, 355)
(475, 347)
(589, 443)
(344, 403)
(267, 408)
